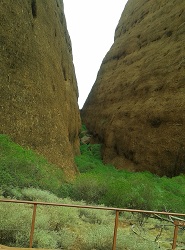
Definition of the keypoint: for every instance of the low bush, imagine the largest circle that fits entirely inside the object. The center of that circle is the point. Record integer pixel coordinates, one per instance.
(89, 189)
(63, 228)
(99, 183)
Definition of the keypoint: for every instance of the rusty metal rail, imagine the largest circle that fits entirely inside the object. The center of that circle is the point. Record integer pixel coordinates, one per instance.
(117, 211)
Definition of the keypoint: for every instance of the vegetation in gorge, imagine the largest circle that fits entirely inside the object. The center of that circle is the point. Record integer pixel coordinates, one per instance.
(25, 175)
(120, 188)
(97, 183)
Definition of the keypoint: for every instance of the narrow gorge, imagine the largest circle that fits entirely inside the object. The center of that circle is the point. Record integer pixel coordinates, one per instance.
(136, 106)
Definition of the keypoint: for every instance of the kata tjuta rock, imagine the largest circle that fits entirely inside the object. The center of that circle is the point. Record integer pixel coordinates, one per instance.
(38, 88)
(136, 107)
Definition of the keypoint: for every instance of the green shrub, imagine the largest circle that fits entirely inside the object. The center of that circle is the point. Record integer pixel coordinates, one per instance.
(78, 229)
(90, 157)
(21, 167)
(67, 239)
(14, 221)
(95, 216)
(91, 150)
(74, 229)
(52, 227)
(55, 227)
(45, 239)
(99, 237)
(89, 189)
(83, 128)
(101, 183)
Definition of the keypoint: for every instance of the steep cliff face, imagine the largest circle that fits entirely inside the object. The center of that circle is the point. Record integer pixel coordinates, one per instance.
(137, 105)
(38, 89)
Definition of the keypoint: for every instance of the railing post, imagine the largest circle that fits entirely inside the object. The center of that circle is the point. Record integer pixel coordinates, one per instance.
(177, 224)
(175, 237)
(115, 230)
(33, 225)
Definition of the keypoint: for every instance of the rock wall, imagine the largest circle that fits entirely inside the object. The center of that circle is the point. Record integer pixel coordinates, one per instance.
(136, 107)
(38, 88)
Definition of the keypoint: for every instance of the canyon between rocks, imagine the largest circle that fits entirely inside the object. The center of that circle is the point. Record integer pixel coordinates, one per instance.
(136, 106)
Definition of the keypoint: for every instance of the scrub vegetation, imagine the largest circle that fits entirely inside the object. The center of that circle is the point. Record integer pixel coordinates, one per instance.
(25, 175)
(121, 188)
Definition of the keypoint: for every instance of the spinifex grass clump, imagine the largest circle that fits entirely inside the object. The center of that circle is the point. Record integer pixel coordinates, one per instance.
(21, 167)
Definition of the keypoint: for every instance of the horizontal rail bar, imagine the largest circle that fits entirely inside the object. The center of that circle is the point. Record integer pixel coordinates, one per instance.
(91, 207)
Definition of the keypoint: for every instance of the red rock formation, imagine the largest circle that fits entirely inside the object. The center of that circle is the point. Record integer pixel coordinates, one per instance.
(137, 105)
(38, 89)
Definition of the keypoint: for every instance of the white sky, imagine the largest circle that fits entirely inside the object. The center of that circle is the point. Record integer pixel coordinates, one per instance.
(91, 25)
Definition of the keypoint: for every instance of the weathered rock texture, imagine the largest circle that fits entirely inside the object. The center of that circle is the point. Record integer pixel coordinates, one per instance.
(38, 89)
(137, 104)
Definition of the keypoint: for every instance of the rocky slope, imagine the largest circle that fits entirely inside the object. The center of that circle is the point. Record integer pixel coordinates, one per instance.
(136, 107)
(38, 89)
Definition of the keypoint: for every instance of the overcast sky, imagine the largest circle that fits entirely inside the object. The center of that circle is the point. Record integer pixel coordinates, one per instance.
(91, 25)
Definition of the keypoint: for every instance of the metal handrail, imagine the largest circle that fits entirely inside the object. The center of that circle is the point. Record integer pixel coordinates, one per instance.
(117, 210)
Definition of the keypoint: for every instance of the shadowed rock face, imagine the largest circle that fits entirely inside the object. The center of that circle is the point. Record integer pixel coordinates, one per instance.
(137, 105)
(38, 89)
